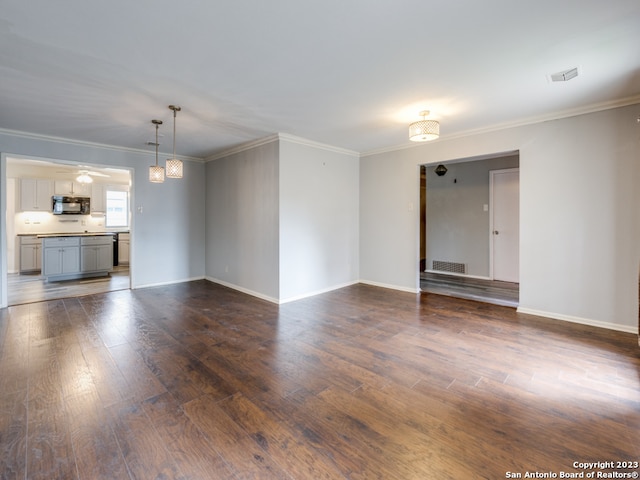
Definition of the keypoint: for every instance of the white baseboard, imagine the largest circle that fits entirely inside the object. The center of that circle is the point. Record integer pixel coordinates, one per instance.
(243, 290)
(583, 321)
(275, 300)
(454, 274)
(392, 287)
(318, 292)
(160, 284)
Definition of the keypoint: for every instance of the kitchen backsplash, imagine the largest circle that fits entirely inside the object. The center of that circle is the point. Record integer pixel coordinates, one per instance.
(43, 222)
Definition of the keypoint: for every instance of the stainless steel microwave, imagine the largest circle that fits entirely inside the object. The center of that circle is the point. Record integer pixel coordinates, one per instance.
(70, 205)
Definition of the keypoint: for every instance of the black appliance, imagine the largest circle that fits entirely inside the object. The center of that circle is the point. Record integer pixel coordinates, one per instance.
(115, 249)
(62, 205)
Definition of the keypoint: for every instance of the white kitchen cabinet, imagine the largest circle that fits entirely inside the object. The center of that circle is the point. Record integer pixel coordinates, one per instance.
(35, 195)
(61, 256)
(98, 198)
(30, 254)
(123, 248)
(71, 188)
(96, 254)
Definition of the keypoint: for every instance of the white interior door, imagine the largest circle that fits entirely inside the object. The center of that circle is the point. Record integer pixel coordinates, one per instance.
(505, 224)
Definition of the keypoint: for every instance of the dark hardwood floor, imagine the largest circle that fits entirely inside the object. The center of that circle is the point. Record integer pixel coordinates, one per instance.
(197, 381)
(488, 291)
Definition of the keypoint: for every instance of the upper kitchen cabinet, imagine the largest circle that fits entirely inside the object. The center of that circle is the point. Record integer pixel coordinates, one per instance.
(35, 195)
(98, 198)
(71, 188)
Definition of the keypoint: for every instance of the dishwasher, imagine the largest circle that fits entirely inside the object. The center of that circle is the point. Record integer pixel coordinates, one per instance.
(115, 249)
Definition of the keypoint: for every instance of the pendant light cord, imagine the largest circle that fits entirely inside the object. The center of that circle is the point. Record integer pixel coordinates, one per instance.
(174, 133)
(157, 125)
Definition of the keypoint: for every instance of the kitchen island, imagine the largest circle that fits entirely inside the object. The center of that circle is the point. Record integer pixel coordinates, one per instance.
(67, 256)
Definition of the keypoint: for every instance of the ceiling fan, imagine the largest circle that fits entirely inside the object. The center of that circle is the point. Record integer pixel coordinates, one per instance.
(85, 176)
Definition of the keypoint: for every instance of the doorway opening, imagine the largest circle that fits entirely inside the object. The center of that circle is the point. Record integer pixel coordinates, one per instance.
(459, 246)
(28, 224)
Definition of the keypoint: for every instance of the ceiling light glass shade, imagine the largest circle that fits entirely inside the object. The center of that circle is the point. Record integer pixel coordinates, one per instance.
(424, 130)
(174, 168)
(156, 174)
(84, 178)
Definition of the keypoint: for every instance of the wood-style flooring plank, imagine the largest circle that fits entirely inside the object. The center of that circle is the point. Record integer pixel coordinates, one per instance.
(320, 433)
(415, 454)
(190, 448)
(290, 451)
(94, 443)
(144, 452)
(13, 434)
(244, 455)
(142, 383)
(49, 448)
(14, 349)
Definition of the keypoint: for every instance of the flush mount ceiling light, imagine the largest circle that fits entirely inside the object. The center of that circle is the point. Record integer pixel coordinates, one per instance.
(156, 172)
(424, 130)
(174, 166)
(84, 177)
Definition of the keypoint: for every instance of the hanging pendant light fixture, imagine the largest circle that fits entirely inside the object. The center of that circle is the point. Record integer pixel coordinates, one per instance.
(424, 130)
(174, 166)
(156, 172)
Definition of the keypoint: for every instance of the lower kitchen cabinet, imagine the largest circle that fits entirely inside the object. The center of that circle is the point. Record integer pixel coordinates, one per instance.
(97, 254)
(60, 256)
(30, 254)
(123, 248)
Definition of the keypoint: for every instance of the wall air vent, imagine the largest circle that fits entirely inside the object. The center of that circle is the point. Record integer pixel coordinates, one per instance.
(565, 75)
(452, 267)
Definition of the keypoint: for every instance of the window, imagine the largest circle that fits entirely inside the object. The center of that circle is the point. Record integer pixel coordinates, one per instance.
(117, 209)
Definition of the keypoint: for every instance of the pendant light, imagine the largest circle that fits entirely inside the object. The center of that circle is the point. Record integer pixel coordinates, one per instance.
(424, 130)
(174, 166)
(156, 172)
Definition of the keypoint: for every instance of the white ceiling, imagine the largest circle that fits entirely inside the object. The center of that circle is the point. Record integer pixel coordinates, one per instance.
(351, 74)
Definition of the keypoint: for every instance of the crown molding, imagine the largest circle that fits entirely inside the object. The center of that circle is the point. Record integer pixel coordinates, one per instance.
(81, 143)
(243, 147)
(322, 146)
(559, 115)
(280, 137)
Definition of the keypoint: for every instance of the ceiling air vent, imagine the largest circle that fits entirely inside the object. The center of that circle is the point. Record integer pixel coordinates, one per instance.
(565, 75)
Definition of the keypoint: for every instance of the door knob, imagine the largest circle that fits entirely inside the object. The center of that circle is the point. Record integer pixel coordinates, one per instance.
(496, 232)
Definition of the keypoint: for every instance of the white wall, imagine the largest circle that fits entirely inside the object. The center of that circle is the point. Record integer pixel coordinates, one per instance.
(242, 221)
(390, 219)
(318, 219)
(167, 242)
(579, 216)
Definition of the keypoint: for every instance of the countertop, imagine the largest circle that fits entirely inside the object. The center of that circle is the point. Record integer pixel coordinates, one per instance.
(76, 234)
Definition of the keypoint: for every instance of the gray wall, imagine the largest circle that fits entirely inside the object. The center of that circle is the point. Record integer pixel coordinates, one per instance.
(457, 227)
(242, 220)
(282, 219)
(579, 225)
(167, 243)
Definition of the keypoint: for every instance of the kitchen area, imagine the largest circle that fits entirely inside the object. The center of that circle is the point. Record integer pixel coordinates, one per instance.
(68, 230)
